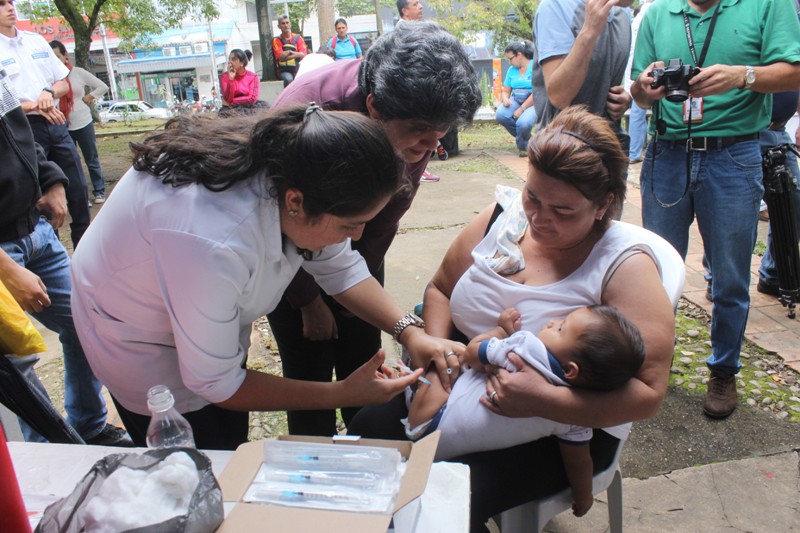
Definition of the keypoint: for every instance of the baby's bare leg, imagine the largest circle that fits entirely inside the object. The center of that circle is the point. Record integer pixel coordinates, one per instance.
(428, 399)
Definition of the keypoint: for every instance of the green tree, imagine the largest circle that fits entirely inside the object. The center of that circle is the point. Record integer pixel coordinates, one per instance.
(508, 20)
(131, 20)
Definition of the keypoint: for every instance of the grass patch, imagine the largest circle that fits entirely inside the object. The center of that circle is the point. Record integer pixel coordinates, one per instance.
(480, 164)
(122, 127)
(486, 136)
(765, 382)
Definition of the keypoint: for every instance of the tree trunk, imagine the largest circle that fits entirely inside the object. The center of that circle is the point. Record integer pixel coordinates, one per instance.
(83, 41)
(326, 18)
(378, 20)
(265, 40)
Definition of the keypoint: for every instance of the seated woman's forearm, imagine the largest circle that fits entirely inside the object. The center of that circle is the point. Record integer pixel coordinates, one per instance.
(582, 407)
(436, 312)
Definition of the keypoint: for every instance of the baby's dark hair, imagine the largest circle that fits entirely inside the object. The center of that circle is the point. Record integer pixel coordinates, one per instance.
(610, 352)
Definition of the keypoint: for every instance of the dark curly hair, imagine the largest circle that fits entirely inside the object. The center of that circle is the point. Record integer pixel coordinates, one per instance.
(419, 71)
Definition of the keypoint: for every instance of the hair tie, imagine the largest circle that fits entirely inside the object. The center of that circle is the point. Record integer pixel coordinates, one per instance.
(580, 138)
(312, 107)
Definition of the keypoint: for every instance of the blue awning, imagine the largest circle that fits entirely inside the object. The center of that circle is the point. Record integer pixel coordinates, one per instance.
(163, 64)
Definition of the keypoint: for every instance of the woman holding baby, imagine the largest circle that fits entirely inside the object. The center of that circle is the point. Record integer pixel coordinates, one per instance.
(554, 248)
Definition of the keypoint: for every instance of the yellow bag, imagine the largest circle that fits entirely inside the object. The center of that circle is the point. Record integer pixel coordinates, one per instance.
(17, 334)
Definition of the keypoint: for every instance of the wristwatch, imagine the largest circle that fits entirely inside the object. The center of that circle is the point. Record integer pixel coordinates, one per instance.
(51, 91)
(408, 320)
(749, 77)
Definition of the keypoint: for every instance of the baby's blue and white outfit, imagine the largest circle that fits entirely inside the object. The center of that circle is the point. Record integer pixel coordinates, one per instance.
(468, 427)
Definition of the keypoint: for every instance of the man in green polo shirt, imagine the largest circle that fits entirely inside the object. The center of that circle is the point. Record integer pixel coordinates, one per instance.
(707, 159)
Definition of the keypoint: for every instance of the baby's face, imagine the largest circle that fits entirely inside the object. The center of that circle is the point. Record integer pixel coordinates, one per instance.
(560, 336)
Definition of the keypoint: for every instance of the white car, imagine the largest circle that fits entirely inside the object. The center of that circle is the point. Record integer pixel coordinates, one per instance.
(137, 110)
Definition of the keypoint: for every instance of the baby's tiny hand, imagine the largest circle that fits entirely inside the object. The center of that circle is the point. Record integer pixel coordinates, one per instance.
(510, 320)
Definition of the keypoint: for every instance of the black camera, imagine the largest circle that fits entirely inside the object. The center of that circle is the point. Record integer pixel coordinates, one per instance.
(675, 77)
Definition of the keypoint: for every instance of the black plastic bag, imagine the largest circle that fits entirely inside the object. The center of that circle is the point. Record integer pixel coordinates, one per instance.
(204, 515)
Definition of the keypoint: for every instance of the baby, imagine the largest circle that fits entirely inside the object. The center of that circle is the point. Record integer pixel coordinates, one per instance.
(593, 347)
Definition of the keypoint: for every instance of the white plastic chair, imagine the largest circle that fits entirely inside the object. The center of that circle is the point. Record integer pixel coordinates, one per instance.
(538, 513)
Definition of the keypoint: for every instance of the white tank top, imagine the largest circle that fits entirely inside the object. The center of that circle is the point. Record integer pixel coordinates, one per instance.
(482, 294)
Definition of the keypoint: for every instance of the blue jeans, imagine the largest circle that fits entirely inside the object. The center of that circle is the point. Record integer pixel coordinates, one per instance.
(25, 366)
(286, 76)
(724, 194)
(88, 144)
(637, 128)
(768, 271)
(60, 149)
(43, 254)
(520, 128)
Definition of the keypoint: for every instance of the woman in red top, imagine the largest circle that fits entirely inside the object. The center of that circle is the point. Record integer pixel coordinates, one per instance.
(240, 87)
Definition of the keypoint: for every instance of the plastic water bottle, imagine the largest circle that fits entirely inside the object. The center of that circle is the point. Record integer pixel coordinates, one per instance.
(168, 428)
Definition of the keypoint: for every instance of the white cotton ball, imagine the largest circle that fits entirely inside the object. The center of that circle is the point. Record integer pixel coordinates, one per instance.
(164, 492)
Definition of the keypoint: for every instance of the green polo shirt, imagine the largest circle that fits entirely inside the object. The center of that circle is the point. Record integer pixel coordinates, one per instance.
(748, 32)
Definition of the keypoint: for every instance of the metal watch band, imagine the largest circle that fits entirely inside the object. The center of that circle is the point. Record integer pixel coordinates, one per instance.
(749, 77)
(400, 326)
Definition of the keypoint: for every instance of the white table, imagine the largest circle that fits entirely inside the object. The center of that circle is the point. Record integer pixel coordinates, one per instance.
(48, 472)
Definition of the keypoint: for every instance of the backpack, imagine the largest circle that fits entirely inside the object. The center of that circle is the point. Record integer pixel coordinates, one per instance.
(335, 40)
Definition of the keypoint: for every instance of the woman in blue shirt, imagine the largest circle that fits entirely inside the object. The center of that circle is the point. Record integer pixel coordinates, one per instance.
(345, 46)
(516, 114)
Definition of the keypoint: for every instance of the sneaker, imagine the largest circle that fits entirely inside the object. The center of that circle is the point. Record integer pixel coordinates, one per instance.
(99, 198)
(523, 153)
(442, 153)
(111, 436)
(90, 203)
(763, 215)
(427, 177)
(768, 288)
(720, 400)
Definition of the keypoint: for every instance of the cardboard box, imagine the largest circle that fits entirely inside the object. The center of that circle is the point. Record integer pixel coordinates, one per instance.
(243, 466)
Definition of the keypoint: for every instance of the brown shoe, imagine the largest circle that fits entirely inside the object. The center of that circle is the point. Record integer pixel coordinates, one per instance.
(720, 399)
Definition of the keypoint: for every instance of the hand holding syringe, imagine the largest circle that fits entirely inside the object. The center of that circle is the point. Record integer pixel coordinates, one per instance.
(402, 368)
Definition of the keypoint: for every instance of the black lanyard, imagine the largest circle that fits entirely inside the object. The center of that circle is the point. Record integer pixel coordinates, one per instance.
(699, 63)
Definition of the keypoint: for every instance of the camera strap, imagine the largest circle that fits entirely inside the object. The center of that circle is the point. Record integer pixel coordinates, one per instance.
(661, 125)
(698, 62)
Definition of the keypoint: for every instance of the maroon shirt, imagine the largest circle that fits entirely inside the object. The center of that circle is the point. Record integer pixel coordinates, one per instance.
(335, 87)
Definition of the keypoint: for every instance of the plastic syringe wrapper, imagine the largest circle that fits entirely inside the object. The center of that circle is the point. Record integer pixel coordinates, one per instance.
(328, 476)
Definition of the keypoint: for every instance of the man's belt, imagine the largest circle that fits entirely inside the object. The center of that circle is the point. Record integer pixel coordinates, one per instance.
(703, 144)
(777, 125)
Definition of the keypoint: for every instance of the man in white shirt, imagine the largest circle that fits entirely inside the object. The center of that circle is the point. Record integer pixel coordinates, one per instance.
(39, 79)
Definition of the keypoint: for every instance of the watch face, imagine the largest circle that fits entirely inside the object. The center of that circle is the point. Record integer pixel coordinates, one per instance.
(750, 76)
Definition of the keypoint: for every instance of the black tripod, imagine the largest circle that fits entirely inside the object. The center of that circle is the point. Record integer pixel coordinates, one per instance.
(779, 185)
